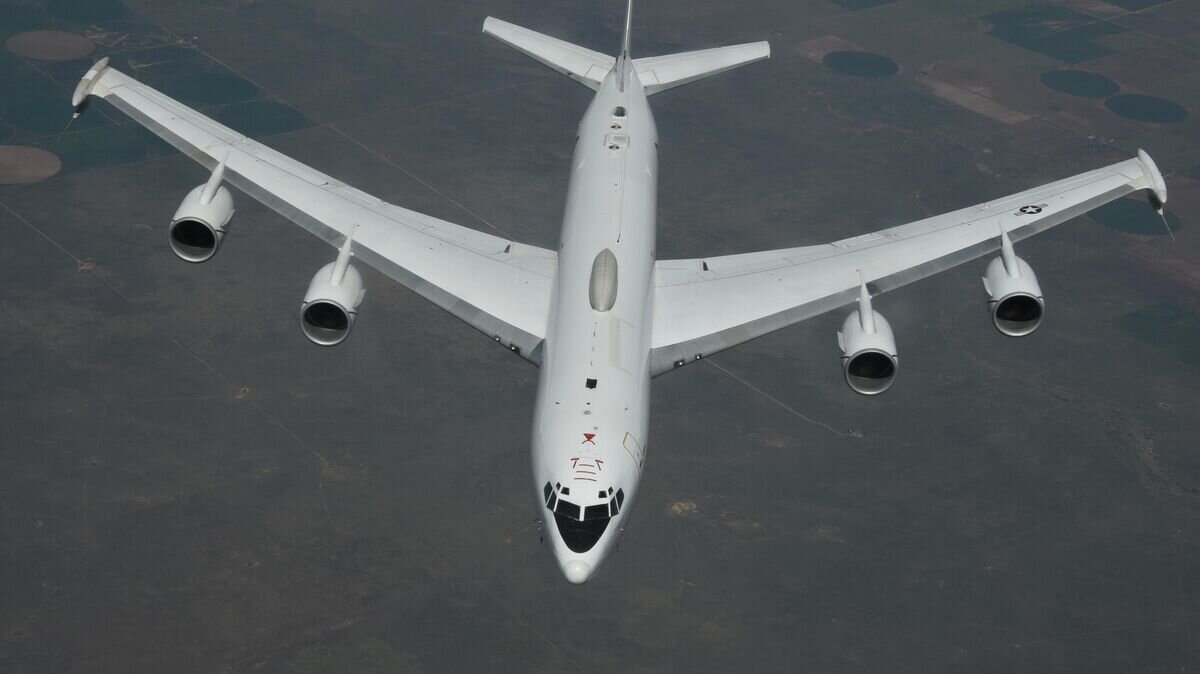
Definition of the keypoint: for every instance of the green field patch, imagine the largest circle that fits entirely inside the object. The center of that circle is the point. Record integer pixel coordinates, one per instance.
(38, 115)
(43, 108)
(1076, 45)
(861, 64)
(9, 60)
(21, 18)
(104, 147)
(209, 88)
(1151, 109)
(259, 119)
(1167, 327)
(1057, 32)
(1080, 83)
(87, 11)
(855, 5)
(1022, 24)
(1134, 5)
(182, 73)
(152, 66)
(1134, 216)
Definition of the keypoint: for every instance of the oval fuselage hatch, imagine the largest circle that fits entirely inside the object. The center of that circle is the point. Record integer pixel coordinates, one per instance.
(602, 291)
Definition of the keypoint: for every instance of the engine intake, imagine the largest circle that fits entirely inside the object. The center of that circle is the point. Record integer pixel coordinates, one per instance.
(199, 223)
(869, 358)
(1015, 297)
(331, 303)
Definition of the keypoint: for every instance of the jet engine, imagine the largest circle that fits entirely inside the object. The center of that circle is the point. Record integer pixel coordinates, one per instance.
(1015, 298)
(199, 223)
(331, 303)
(869, 358)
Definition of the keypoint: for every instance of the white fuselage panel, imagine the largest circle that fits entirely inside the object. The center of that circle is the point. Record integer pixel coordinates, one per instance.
(591, 418)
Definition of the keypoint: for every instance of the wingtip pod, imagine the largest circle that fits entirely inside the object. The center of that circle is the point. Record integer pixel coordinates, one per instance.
(1157, 186)
(87, 84)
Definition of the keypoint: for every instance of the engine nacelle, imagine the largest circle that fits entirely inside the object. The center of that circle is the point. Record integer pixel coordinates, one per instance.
(1015, 298)
(199, 222)
(869, 358)
(331, 303)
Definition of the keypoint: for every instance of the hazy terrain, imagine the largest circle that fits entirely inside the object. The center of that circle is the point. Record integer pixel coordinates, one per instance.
(187, 485)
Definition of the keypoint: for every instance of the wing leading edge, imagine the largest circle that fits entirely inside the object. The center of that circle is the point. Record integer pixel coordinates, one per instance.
(499, 287)
(703, 306)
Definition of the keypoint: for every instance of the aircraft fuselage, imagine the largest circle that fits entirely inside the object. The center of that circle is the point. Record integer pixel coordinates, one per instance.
(592, 413)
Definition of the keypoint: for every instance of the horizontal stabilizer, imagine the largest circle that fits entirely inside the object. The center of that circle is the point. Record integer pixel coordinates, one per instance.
(659, 73)
(582, 65)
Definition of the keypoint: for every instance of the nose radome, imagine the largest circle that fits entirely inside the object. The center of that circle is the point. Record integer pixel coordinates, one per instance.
(577, 571)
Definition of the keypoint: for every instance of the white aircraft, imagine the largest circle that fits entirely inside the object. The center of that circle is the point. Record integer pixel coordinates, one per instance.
(601, 315)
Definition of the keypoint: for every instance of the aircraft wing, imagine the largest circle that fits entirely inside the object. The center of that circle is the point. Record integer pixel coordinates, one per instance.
(703, 306)
(499, 287)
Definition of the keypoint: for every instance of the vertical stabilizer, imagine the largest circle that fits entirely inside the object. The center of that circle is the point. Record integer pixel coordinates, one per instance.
(628, 29)
(623, 57)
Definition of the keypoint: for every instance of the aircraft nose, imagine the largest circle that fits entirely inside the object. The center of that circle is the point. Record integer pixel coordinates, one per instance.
(577, 571)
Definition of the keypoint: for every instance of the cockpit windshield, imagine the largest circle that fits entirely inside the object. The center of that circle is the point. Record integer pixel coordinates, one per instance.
(581, 528)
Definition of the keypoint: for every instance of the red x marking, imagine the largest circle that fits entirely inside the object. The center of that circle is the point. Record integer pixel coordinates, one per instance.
(587, 437)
